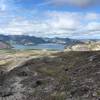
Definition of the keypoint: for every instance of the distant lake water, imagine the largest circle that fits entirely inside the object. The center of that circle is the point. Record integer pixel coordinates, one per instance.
(48, 46)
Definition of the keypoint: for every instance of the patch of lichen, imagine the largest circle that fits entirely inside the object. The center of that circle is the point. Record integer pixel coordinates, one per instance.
(48, 71)
(57, 96)
(98, 93)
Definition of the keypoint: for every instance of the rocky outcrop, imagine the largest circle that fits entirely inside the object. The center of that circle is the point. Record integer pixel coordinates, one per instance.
(69, 76)
(91, 46)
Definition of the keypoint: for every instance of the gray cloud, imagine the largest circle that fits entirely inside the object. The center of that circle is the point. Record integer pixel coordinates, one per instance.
(76, 3)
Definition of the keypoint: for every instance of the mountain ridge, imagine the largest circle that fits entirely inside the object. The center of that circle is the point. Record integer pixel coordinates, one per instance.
(32, 40)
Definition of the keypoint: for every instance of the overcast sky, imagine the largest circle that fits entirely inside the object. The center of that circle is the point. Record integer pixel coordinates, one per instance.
(51, 18)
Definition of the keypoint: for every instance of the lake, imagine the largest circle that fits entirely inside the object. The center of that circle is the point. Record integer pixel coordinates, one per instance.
(47, 46)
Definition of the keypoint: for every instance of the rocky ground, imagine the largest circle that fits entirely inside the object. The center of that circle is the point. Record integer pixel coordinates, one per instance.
(57, 76)
(88, 46)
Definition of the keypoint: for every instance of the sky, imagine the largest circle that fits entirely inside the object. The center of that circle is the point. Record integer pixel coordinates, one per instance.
(51, 18)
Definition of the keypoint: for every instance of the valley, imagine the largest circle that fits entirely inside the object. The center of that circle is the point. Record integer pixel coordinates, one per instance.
(49, 49)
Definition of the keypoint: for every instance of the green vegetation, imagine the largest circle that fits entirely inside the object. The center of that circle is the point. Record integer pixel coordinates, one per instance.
(5, 62)
(58, 96)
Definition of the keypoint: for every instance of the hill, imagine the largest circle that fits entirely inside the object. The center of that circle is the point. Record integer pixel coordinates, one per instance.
(4, 45)
(61, 76)
(86, 46)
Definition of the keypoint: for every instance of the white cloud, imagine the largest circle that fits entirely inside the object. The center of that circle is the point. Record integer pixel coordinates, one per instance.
(93, 26)
(92, 16)
(64, 20)
(54, 23)
(57, 23)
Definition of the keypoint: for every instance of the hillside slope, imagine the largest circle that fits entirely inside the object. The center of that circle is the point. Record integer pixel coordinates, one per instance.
(90, 46)
(4, 45)
(63, 76)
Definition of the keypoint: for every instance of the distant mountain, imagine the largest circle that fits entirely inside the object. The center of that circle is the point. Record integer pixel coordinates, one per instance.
(27, 40)
(21, 39)
(65, 41)
(30, 40)
(4, 38)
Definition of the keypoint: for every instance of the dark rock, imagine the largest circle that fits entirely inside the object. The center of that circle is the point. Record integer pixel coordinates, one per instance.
(23, 74)
(38, 82)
